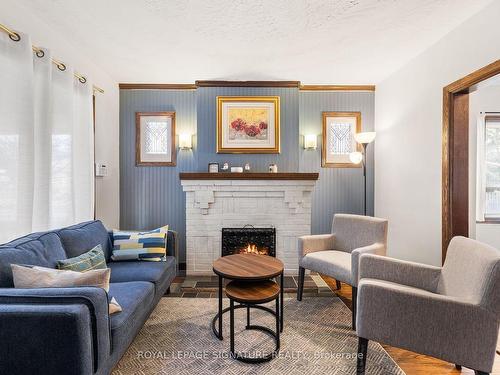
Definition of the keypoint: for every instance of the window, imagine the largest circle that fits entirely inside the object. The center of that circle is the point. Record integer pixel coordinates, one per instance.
(488, 168)
(61, 186)
(492, 167)
(9, 149)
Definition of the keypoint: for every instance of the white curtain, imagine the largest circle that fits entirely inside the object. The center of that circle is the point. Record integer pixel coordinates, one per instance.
(46, 143)
(480, 169)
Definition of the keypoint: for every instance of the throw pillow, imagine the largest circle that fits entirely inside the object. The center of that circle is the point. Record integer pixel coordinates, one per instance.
(92, 259)
(41, 277)
(150, 245)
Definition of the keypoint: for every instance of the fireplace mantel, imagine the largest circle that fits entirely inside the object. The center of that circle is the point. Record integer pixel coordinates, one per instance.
(248, 176)
(233, 200)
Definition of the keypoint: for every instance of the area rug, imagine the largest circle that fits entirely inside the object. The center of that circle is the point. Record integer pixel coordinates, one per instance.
(317, 339)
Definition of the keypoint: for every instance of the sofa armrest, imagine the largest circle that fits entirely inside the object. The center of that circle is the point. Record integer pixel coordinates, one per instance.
(441, 326)
(376, 248)
(86, 304)
(417, 275)
(317, 242)
(45, 339)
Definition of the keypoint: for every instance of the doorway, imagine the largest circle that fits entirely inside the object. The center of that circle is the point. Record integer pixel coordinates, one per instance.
(455, 153)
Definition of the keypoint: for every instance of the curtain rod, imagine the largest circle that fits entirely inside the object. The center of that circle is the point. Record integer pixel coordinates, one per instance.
(15, 37)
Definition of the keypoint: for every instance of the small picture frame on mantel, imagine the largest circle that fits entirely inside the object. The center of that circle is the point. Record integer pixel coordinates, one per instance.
(155, 139)
(213, 167)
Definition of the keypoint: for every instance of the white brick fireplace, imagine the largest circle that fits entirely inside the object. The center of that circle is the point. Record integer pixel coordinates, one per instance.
(227, 200)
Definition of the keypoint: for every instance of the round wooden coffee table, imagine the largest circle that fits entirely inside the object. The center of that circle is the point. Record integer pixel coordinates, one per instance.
(249, 267)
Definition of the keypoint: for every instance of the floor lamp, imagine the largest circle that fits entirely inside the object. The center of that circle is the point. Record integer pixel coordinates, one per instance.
(364, 139)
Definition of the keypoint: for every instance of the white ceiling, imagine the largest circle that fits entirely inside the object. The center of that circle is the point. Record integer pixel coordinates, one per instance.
(180, 41)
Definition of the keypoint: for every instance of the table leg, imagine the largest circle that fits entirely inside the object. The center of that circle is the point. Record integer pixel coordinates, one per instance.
(231, 326)
(279, 323)
(220, 307)
(281, 299)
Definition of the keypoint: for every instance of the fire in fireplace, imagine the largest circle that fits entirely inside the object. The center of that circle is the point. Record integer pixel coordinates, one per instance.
(249, 240)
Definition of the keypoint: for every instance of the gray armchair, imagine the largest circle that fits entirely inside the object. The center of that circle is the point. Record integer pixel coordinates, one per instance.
(337, 254)
(451, 313)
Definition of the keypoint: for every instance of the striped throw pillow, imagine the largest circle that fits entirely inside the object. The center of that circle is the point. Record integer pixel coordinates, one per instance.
(91, 260)
(150, 245)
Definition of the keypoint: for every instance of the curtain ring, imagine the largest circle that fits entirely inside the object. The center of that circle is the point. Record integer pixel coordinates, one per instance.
(82, 79)
(40, 53)
(61, 67)
(15, 37)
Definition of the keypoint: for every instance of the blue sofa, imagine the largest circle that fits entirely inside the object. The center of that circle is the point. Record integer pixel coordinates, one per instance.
(68, 330)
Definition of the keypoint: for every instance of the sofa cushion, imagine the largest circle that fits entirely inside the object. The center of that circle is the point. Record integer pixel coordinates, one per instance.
(37, 249)
(336, 264)
(80, 238)
(156, 272)
(136, 300)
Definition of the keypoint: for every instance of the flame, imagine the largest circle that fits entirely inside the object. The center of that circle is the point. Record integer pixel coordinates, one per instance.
(253, 249)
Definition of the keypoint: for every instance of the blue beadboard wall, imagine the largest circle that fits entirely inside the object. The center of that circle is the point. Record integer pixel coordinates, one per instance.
(287, 160)
(339, 190)
(152, 196)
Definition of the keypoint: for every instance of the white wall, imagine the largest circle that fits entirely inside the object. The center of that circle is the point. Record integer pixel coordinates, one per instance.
(485, 99)
(408, 121)
(24, 20)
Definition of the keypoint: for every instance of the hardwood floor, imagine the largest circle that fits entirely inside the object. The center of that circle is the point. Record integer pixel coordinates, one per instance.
(411, 363)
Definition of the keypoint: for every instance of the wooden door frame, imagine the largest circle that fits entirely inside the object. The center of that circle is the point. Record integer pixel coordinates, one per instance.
(449, 187)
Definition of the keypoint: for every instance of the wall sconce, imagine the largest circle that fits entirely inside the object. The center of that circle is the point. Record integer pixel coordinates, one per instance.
(310, 142)
(185, 141)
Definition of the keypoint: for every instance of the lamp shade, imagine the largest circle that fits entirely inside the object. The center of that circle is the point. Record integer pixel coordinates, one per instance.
(366, 137)
(310, 141)
(356, 157)
(185, 141)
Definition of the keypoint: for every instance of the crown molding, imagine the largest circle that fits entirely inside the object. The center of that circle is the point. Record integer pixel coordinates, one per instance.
(201, 83)
(156, 86)
(337, 87)
(295, 84)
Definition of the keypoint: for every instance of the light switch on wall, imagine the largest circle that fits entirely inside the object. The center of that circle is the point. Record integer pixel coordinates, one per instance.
(101, 170)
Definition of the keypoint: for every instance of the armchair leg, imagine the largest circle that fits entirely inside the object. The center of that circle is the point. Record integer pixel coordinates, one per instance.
(477, 372)
(338, 284)
(354, 306)
(458, 367)
(300, 288)
(362, 353)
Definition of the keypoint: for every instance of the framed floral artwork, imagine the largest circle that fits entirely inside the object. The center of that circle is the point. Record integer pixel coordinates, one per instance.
(338, 139)
(248, 125)
(155, 139)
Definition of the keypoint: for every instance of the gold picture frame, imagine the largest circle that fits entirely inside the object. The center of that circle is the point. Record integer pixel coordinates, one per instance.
(155, 139)
(248, 124)
(336, 148)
